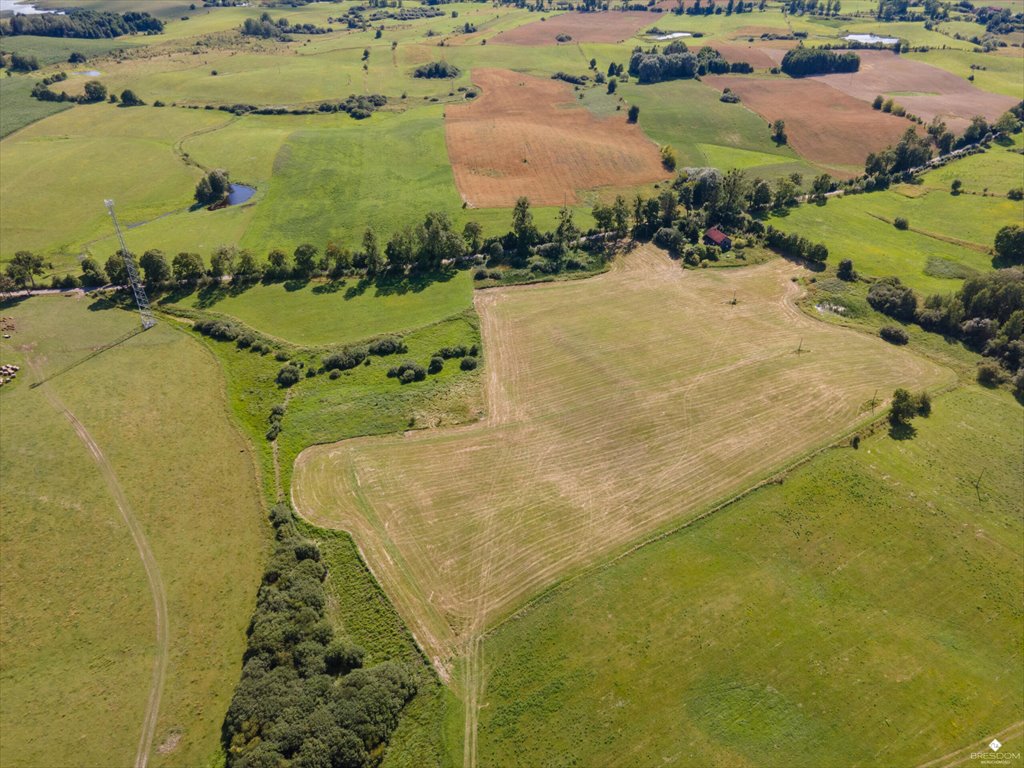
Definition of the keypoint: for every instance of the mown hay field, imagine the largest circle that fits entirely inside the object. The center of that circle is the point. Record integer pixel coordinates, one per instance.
(865, 612)
(647, 372)
(78, 640)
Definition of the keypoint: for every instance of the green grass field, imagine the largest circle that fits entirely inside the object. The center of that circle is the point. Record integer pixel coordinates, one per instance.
(18, 108)
(78, 637)
(958, 229)
(864, 612)
(325, 313)
(704, 131)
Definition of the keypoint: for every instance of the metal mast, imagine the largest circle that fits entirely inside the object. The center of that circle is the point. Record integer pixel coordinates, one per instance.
(148, 321)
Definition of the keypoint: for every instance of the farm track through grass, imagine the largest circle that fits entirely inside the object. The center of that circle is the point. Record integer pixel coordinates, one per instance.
(575, 408)
(78, 642)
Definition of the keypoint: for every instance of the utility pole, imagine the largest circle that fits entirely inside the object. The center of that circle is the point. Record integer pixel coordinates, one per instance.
(148, 321)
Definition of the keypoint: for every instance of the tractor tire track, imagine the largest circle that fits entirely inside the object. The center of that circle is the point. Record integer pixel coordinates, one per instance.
(156, 585)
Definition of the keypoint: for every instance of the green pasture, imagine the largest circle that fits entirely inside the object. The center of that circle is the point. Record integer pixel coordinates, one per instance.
(87, 154)
(851, 229)
(719, 26)
(18, 108)
(78, 638)
(866, 611)
(705, 131)
(912, 32)
(55, 50)
(1003, 74)
(998, 170)
(338, 313)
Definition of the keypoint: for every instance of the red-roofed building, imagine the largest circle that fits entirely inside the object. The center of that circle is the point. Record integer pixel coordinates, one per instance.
(715, 236)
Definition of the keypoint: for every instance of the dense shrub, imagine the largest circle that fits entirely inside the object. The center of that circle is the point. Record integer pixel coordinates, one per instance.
(468, 363)
(793, 244)
(304, 698)
(845, 271)
(436, 69)
(436, 364)
(389, 345)
(449, 352)
(990, 374)
(288, 375)
(901, 223)
(890, 297)
(345, 359)
(408, 372)
(893, 334)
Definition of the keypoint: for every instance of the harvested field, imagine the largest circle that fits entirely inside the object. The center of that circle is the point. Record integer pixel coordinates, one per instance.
(524, 136)
(652, 374)
(758, 56)
(930, 91)
(825, 125)
(599, 27)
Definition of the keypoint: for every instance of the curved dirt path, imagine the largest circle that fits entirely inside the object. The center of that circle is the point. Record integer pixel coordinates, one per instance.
(156, 585)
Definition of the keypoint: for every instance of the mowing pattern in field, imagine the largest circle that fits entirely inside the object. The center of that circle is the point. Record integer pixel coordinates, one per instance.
(825, 126)
(866, 612)
(651, 398)
(519, 138)
(924, 90)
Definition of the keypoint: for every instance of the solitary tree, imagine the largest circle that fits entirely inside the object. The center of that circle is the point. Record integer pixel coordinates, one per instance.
(129, 99)
(95, 91)
(903, 408)
(1009, 245)
(633, 115)
(779, 132)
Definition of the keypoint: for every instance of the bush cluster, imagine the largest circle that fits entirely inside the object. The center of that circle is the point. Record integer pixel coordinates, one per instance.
(793, 244)
(436, 70)
(893, 334)
(800, 62)
(389, 345)
(407, 372)
(345, 359)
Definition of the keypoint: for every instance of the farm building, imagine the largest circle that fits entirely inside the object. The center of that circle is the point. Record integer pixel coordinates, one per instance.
(715, 236)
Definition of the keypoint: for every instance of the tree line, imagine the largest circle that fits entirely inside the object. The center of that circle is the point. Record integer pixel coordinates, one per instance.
(82, 23)
(279, 30)
(675, 62)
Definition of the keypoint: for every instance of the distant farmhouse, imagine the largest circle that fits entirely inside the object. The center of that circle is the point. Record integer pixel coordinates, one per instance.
(715, 236)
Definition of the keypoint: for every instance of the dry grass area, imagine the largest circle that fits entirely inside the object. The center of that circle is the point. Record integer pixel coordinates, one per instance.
(525, 136)
(825, 125)
(600, 27)
(757, 55)
(924, 90)
(617, 407)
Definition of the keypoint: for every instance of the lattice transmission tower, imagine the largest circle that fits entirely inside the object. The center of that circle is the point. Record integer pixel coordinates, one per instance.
(148, 321)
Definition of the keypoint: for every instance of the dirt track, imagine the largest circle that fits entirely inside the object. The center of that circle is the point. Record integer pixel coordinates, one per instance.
(524, 136)
(156, 585)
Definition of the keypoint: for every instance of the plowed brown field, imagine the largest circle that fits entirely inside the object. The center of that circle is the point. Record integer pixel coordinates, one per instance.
(617, 406)
(825, 125)
(924, 90)
(524, 136)
(600, 27)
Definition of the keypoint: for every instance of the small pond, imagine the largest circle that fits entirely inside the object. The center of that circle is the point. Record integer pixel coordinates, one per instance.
(27, 9)
(872, 39)
(240, 193)
(673, 36)
(88, 73)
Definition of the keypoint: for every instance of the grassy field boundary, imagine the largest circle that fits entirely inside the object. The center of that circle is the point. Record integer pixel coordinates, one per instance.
(934, 236)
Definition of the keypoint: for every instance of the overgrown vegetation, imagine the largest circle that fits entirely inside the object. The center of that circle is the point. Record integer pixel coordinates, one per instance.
(304, 696)
(801, 62)
(83, 23)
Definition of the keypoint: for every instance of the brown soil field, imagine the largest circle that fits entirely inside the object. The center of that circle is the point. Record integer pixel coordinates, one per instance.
(759, 56)
(930, 91)
(600, 27)
(825, 125)
(524, 137)
(617, 407)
